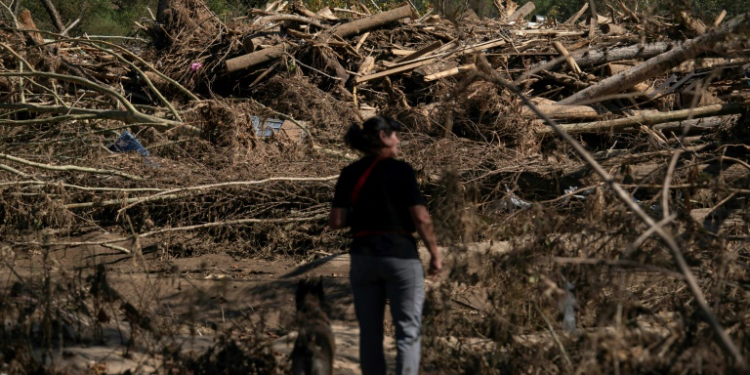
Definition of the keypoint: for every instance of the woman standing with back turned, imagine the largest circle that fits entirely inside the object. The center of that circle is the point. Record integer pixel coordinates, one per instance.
(378, 197)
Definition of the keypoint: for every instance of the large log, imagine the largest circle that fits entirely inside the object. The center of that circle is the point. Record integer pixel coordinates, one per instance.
(563, 112)
(576, 16)
(638, 51)
(522, 12)
(656, 65)
(642, 87)
(710, 63)
(288, 17)
(707, 123)
(650, 119)
(255, 58)
(365, 24)
(252, 44)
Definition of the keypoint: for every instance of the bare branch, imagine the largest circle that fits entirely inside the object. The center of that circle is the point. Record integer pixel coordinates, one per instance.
(53, 14)
(68, 168)
(180, 191)
(722, 337)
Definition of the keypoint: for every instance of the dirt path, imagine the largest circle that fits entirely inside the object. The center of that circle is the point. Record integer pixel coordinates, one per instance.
(212, 291)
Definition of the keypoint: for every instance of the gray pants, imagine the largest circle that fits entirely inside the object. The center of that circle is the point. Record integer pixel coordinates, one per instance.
(373, 279)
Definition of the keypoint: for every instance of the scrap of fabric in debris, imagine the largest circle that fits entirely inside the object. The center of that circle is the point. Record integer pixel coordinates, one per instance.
(127, 142)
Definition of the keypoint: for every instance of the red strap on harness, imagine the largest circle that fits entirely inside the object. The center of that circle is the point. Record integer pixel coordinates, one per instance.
(363, 179)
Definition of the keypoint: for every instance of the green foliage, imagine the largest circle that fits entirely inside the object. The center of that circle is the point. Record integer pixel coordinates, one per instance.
(98, 17)
(116, 17)
(706, 9)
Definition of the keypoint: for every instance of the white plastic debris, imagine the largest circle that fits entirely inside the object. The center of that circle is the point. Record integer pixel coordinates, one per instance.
(568, 307)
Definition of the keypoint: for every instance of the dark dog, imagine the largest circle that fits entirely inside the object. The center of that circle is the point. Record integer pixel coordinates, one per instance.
(315, 345)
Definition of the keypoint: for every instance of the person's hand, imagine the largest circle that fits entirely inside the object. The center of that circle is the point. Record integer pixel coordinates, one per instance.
(436, 265)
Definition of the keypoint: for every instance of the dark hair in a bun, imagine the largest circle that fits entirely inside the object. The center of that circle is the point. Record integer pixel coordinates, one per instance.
(366, 138)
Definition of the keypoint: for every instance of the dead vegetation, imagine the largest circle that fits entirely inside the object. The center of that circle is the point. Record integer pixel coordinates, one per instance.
(640, 216)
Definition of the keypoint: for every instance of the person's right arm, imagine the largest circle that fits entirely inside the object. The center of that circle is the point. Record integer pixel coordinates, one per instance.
(425, 228)
(337, 219)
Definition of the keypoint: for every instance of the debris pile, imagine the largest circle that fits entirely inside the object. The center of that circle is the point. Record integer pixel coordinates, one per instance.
(237, 127)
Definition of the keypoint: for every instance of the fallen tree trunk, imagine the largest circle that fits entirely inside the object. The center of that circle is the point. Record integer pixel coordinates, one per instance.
(365, 24)
(641, 87)
(255, 58)
(710, 63)
(638, 51)
(522, 12)
(656, 65)
(576, 16)
(563, 112)
(650, 119)
(288, 17)
(697, 124)
(250, 45)
(586, 59)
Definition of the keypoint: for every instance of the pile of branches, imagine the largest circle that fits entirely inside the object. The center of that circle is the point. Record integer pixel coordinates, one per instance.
(629, 123)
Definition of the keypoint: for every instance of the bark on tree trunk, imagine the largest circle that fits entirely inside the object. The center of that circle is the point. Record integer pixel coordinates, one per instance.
(576, 16)
(563, 112)
(365, 24)
(639, 51)
(53, 14)
(255, 58)
(650, 119)
(522, 12)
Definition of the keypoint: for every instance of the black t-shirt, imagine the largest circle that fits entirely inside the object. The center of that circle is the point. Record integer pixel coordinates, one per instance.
(380, 220)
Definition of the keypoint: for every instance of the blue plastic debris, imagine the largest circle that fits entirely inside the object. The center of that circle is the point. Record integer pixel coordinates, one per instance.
(269, 127)
(127, 143)
(747, 75)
